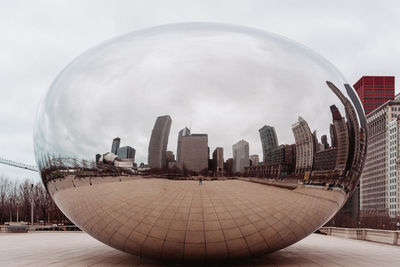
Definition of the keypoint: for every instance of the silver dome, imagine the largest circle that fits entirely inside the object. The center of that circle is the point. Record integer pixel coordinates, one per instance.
(172, 95)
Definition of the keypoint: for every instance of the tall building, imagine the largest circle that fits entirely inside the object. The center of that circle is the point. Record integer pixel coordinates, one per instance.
(357, 134)
(304, 147)
(157, 157)
(170, 156)
(392, 156)
(374, 91)
(184, 132)
(194, 152)
(378, 179)
(324, 141)
(281, 163)
(115, 145)
(126, 152)
(240, 156)
(325, 160)
(254, 160)
(268, 140)
(218, 160)
(98, 156)
(229, 166)
(342, 139)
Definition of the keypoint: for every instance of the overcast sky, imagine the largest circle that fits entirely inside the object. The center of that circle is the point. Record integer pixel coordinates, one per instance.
(39, 38)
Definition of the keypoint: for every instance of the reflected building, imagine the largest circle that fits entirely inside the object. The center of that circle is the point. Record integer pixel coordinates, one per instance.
(356, 134)
(304, 147)
(173, 165)
(281, 161)
(240, 156)
(170, 156)
(218, 160)
(115, 145)
(184, 132)
(194, 152)
(126, 152)
(268, 139)
(98, 156)
(341, 136)
(325, 160)
(333, 135)
(157, 157)
(254, 160)
(228, 166)
(324, 141)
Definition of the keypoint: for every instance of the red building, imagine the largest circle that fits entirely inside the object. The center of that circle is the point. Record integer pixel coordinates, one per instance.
(374, 91)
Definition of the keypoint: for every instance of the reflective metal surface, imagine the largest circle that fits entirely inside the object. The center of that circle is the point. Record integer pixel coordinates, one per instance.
(200, 142)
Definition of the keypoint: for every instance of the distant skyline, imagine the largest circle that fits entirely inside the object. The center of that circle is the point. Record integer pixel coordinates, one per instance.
(39, 39)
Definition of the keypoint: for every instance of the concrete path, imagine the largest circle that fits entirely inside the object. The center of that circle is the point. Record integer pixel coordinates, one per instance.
(79, 249)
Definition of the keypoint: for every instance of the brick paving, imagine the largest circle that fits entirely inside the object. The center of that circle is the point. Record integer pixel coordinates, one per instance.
(79, 249)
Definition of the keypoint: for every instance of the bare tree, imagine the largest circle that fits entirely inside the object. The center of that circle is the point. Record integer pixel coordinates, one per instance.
(15, 198)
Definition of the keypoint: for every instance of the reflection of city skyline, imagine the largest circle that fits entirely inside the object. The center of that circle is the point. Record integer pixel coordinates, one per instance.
(308, 158)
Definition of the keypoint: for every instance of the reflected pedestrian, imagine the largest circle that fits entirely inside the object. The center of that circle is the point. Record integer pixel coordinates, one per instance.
(200, 181)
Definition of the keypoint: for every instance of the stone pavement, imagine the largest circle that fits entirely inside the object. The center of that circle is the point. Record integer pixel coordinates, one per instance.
(175, 220)
(79, 249)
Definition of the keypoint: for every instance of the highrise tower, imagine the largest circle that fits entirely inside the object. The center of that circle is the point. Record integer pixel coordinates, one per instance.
(304, 146)
(268, 140)
(240, 156)
(158, 142)
(374, 91)
(184, 132)
(115, 145)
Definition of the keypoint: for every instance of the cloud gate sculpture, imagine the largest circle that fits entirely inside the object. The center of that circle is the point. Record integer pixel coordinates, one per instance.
(200, 141)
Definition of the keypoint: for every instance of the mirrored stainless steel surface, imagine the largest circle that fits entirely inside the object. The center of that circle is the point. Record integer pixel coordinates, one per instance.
(200, 141)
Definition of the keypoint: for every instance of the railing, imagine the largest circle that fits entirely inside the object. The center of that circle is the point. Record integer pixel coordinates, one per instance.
(18, 165)
(5, 228)
(56, 228)
(373, 235)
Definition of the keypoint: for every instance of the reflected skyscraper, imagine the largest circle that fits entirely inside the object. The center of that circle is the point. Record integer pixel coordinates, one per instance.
(158, 142)
(304, 147)
(184, 132)
(268, 140)
(126, 152)
(357, 146)
(254, 160)
(342, 138)
(240, 156)
(324, 141)
(170, 156)
(218, 160)
(115, 145)
(229, 166)
(194, 152)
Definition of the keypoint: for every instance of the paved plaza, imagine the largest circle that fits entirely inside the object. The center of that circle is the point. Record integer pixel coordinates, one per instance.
(181, 220)
(79, 249)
